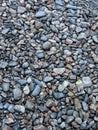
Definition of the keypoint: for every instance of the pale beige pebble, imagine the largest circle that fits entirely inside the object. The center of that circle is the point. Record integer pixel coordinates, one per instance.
(93, 107)
(77, 104)
(59, 70)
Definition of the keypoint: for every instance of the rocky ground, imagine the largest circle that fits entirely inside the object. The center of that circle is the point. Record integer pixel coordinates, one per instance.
(48, 65)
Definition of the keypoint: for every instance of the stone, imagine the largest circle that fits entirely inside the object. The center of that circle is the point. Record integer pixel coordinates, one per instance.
(48, 79)
(81, 36)
(62, 125)
(21, 9)
(69, 41)
(86, 81)
(63, 86)
(22, 81)
(59, 70)
(69, 119)
(5, 30)
(36, 90)
(26, 90)
(5, 87)
(11, 108)
(85, 106)
(39, 127)
(46, 45)
(17, 93)
(78, 120)
(40, 14)
(25, 65)
(77, 104)
(19, 108)
(6, 127)
(1, 78)
(3, 64)
(95, 39)
(29, 105)
(40, 55)
(58, 95)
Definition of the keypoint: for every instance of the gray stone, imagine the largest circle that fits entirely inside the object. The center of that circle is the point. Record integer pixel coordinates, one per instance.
(58, 95)
(62, 125)
(21, 9)
(85, 106)
(40, 55)
(5, 87)
(3, 64)
(95, 39)
(25, 65)
(22, 81)
(48, 79)
(78, 120)
(59, 70)
(36, 90)
(19, 108)
(46, 45)
(5, 30)
(40, 14)
(81, 36)
(69, 119)
(29, 105)
(26, 90)
(17, 93)
(12, 63)
(87, 81)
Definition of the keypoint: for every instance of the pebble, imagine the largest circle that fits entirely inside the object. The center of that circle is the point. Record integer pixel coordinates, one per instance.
(63, 86)
(59, 70)
(39, 127)
(40, 14)
(46, 45)
(26, 90)
(86, 81)
(69, 119)
(85, 106)
(5, 30)
(81, 36)
(58, 95)
(25, 65)
(36, 90)
(5, 87)
(6, 127)
(3, 64)
(19, 108)
(17, 93)
(21, 9)
(29, 105)
(48, 79)
(95, 39)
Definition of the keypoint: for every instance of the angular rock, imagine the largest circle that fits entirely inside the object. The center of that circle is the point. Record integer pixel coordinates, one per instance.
(5, 30)
(95, 39)
(48, 79)
(21, 9)
(5, 87)
(59, 70)
(58, 95)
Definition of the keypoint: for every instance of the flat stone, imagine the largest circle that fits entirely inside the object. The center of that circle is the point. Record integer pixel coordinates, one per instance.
(87, 81)
(20, 108)
(21, 9)
(39, 127)
(59, 70)
(5, 87)
(5, 30)
(63, 86)
(81, 36)
(85, 106)
(3, 64)
(58, 95)
(17, 93)
(40, 14)
(48, 79)
(36, 90)
(69, 119)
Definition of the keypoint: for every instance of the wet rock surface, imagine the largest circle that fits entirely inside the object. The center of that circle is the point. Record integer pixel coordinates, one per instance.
(48, 65)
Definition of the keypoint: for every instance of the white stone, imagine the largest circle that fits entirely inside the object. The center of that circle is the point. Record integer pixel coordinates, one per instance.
(63, 86)
(26, 90)
(86, 81)
(59, 70)
(20, 108)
